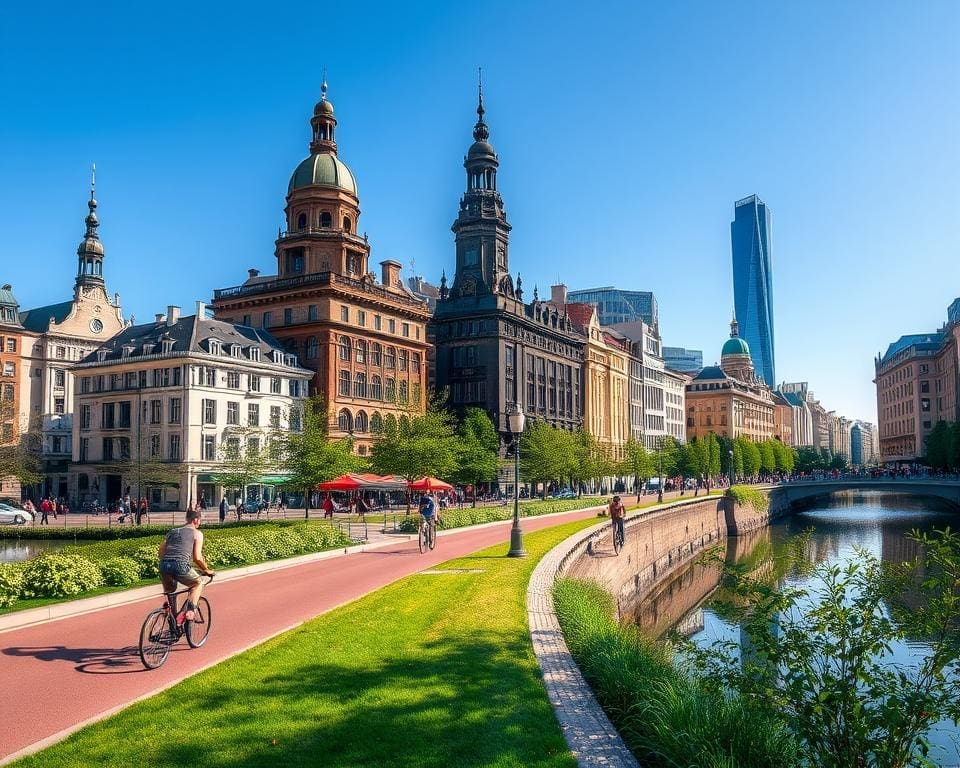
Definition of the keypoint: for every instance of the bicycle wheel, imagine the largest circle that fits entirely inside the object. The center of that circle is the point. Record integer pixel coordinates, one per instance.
(156, 637)
(617, 540)
(433, 535)
(422, 537)
(198, 629)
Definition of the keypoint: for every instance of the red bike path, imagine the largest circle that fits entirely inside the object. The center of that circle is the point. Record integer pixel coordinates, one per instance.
(63, 674)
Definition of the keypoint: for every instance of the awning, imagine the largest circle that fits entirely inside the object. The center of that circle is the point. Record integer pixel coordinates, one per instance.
(263, 480)
(429, 484)
(358, 481)
(273, 480)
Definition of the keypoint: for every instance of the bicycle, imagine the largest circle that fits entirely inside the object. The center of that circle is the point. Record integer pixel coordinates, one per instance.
(427, 534)
(618, 536)
(164, 626)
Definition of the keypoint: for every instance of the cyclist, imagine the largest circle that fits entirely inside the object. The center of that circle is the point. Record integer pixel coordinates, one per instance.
(428, 511)
(616, 510)
(178, 552)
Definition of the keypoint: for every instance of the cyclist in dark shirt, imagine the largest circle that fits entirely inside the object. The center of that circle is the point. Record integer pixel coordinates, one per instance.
(617, 510)
(178, 552)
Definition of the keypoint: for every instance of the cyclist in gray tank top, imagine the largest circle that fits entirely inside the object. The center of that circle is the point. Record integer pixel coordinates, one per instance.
(179, 551)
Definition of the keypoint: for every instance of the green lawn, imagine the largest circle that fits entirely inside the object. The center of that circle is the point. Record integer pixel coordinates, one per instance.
(434, 670)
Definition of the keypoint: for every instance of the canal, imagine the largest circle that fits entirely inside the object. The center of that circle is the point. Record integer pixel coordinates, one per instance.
(877, 522)
(16, 550)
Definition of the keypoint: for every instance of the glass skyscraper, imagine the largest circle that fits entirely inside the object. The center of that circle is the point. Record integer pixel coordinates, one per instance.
(618, 306)
(750, 233)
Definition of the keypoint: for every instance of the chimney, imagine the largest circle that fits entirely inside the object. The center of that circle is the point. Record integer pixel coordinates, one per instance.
(173, 314)
(391, 273)
(159, 317)
(558, 294)
(201, 311)
(252, 273)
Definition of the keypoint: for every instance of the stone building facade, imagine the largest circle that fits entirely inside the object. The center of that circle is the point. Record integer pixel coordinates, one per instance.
(11, 342)
(494, 350)
(364, 338)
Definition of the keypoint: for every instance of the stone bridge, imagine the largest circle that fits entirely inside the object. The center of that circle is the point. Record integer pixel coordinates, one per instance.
(784, 495)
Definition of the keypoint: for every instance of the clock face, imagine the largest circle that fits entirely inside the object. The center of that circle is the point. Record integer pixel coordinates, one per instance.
(96, 325)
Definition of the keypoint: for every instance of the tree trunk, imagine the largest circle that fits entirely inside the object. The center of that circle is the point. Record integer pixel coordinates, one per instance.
(306, 504)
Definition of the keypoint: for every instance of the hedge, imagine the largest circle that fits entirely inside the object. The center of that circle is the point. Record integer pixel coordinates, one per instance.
(745, 495)
(76, 570)
(119, 531)
(456, 517)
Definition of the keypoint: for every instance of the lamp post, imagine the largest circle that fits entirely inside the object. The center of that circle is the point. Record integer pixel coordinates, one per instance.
(660, 469)
(730, 467)
(516, 420)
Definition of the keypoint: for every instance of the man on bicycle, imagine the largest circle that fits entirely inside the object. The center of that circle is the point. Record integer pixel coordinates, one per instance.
(617, 510)
(428, 510)
(178, 552)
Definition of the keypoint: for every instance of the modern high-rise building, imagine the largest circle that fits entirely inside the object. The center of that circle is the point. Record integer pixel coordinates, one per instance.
(683, 360)
(753, 281)
(617, 306)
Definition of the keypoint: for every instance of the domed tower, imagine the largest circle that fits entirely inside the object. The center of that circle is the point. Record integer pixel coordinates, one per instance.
(735, 358)
(90, 251)
(323, 209)
(481, 229)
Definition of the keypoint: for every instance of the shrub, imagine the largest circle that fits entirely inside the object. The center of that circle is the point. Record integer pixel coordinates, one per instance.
(58, 575)
(230, 550)
(270, 545)
(120, 571)
(320, 537)
(11, 584)
(745, 495)
(148, 560)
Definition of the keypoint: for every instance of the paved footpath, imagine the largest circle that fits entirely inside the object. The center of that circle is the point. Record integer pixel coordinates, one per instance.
(62, 674)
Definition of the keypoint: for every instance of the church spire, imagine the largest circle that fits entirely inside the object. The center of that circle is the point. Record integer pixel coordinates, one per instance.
(90, 251)
(480, 131)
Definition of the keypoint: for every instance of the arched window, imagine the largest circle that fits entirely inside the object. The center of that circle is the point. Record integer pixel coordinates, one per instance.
(313, 348)
(376, 354)
(402, 360)
(390, 393)
(302, 221)
(404, 392)
(376, 387)
(415, 362)
(346, 223)
(344, 387)
(360, 385)
(325, 220)
(390, 358)
(345, 421)
(390, 423)
(376, 423)
(344, 348)
(360, 422)
(361, 351)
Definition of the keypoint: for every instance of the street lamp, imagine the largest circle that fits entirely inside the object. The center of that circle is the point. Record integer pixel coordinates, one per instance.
(516, 420)
(660, 469)
(730, 466)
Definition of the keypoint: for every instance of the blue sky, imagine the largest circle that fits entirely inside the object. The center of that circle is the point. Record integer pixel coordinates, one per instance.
(625, 134)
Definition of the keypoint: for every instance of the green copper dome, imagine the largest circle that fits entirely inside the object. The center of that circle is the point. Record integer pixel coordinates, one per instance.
(324, 169)
(735, 346)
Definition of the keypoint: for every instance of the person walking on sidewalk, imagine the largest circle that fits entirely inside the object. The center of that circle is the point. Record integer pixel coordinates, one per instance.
(223, 509)
(44, 511)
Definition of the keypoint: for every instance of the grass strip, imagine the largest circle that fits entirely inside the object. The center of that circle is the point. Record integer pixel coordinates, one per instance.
(432, 671)
(666, 718)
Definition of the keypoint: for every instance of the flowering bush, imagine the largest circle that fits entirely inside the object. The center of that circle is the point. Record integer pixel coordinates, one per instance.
(56, 575)
(120, 571)
(148, 560)
(232, 550)
(270, 545)
(11, 584)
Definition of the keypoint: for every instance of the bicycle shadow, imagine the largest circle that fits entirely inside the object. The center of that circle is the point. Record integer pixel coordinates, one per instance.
(91, 661)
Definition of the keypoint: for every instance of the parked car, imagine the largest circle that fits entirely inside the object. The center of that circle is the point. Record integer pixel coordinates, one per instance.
(565, 493)
(14, 514)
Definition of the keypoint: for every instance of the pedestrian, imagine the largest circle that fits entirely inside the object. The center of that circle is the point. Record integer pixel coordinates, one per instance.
(328, 507)
(223, 509)
(142, 509)
(361, 508)
(53, 507)
(44, 511)
(203, 500)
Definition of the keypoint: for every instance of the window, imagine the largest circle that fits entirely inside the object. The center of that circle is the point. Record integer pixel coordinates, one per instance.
(403, 393)
(233, 413)
(345, 314)
(156, 411)
(233, 379)
(360, 385)
(376, 354)
(402, 360)
(275, 385)
(84, 448)
(288, 317)
(294, 419)
(209, 411)
(11, 345)
(174, 410)
(295, 388)
(155, 446)
(312, 313)
(209, 448)
(267, 319)
(405, 329)
(360, 422)
(108, 419)
(59, 377)
(415, 362)
(376, 423)
(274, 415)
(392, 325)
(302, 221)
(108, 449)
(376, 387)
(313, 348)
(344, 348)
(390, 392)
(344, 386)
(377, 323)
(253, 415)
(61, 353)
(361, 351)
(174, 447)
(9, 369)
(247, 320)
(254, 383)
(84, 417)
(344, 421)
(209, 376)
(390, 359)
(346, 223)
(255, 354)
(325, 220)
(58, 405)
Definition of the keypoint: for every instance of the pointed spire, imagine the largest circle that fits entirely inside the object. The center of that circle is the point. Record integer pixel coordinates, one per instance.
(480, 131)
(90, 251)
(734, 326)
(536, 292)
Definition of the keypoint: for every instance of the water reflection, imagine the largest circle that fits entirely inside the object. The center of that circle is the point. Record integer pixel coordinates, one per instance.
(875, 521)
(16, 550)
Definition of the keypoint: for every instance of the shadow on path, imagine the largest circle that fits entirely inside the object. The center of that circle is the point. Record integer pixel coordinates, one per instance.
(91, 661)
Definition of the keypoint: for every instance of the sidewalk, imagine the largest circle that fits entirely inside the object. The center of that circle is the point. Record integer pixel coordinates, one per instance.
(63, 674)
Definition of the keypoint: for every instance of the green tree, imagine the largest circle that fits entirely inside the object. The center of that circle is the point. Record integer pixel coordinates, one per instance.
(715, 466)
(768, 461)
(751, 457)
(478, 450)
(955, 446)
(243, 460)
(939, 446)
(21, 449)
(826, 459)
(418, 444)
(546, 454)
(637, 463)
(697, 459)
(310, 456)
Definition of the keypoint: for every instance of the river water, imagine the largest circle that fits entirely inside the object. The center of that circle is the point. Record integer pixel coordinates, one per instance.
(16, 550)
(877, 522)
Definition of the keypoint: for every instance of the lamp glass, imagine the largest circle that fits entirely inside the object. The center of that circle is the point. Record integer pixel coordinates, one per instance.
(517, 420)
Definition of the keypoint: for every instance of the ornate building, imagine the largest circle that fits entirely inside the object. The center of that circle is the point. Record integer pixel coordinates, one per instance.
(56, 337)
(730, 400)
(11, 341)
(493, 350)
(364, 339)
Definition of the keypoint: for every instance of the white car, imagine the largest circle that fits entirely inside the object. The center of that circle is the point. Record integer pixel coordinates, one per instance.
(12, 514)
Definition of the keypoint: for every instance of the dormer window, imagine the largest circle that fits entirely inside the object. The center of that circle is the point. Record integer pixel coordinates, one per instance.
(291, 360)
(102, 354)
(147, 348)
(278, 356)
(126, 350)
(235, 350)
(255, 354)
(214, 346)
(166, 346)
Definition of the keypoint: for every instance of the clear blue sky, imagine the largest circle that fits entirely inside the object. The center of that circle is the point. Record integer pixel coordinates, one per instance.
(625, 134)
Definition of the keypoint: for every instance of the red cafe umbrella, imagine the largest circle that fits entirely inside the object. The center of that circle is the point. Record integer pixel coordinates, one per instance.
(357, 482)
(429, 484)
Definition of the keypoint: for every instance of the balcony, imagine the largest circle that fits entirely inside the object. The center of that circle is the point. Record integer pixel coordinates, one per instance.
(323, 233)
(316, 279)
